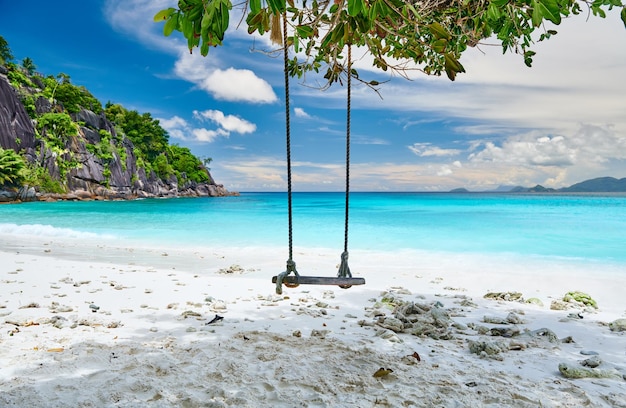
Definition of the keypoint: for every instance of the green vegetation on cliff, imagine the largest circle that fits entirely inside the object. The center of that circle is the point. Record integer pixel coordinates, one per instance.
(11, 167)
(56, 107)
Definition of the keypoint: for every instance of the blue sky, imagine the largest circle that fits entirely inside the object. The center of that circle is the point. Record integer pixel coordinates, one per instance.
(560, 122)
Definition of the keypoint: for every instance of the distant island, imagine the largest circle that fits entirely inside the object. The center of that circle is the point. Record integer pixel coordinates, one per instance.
(596, 185)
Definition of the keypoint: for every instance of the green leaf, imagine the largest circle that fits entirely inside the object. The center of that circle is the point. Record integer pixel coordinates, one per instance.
(528, 58)
(624, 15)
(296, 43)
(277, 6)
(438, 31)
(206, 20)
(225, 18)
(170, 25)
(499, 3)
(452, 66)
(163, 14)
(537, 17)
(550, 10)
(204, 49)
(439, 46)
(187, 27)
(255, 6)
(304, 31)
(373, 11)
(354, 7)
(493, 12)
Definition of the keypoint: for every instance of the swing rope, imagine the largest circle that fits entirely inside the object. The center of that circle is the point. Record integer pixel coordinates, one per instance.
(291, 265)
(344, 269)
(344, 277)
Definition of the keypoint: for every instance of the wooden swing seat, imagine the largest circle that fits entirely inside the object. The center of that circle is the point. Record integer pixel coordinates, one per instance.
(320, 280)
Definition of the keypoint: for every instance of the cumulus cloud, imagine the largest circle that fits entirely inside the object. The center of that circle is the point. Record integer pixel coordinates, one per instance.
(175, 126)
(179, 128)
(229, 123)
(528, 150)
(206, 135)
(427, 149)
(231, 84)
(589, 146)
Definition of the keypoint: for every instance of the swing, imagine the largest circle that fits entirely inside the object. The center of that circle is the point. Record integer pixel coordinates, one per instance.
(344, 277)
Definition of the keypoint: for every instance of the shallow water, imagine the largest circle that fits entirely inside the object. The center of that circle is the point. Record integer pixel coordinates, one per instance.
(569, 227)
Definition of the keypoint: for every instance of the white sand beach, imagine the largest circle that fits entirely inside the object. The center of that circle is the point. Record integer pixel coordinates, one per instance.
(130, 328)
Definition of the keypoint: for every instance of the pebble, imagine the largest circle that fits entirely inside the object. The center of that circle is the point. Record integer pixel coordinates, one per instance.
(591, 362)
(588, 353)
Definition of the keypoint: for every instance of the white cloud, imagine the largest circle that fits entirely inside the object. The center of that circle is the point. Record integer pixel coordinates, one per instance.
(576, 77)
(230, 85)
(300, 113)
(176, 126)
(588, 147)
(427, 149)
(179, 128)
(135, 18)
(238, 85)
(205, 135)
(444, 170)
(229, 123)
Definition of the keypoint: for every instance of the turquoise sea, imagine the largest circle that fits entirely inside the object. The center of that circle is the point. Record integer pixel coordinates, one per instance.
(568, 227)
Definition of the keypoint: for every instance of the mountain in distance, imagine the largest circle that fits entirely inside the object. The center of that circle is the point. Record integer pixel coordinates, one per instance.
(596, 185)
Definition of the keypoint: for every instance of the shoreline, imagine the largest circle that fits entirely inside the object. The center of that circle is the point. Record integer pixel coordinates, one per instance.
(136, 331)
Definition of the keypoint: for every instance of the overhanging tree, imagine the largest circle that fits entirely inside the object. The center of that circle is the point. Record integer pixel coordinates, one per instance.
(428, 35)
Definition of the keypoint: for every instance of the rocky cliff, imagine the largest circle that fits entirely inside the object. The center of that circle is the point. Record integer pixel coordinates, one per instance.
(82, 173)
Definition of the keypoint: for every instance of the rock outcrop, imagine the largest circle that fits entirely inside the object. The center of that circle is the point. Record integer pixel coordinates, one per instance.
(92, 177)
(16, 128)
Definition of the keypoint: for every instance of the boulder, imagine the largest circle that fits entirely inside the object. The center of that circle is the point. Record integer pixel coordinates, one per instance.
(90, 119)
(42, 105)
(16, 128)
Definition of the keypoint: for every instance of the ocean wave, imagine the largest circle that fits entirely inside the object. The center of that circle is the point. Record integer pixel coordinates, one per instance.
(40, 230)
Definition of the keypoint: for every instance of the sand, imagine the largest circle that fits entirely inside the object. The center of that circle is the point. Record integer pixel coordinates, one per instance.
(120, 327)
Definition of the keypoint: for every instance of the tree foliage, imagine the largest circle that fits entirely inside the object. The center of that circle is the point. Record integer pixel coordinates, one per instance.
(428, 35)
(29, 65)
(144, 131)
(59, 125)
(186, 165)
(72, 97)
(11, 167)
(5, 51)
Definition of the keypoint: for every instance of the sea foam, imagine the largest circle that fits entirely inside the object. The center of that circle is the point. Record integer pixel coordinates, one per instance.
(41, 230)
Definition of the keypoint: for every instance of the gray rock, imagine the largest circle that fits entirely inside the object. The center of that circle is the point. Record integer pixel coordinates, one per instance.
(507, 296)
(591, 362)
(505, 331)
(16, 128)
(440, 317)
(618, 325)
(90, 119)
(487, 348)
(391, 323)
